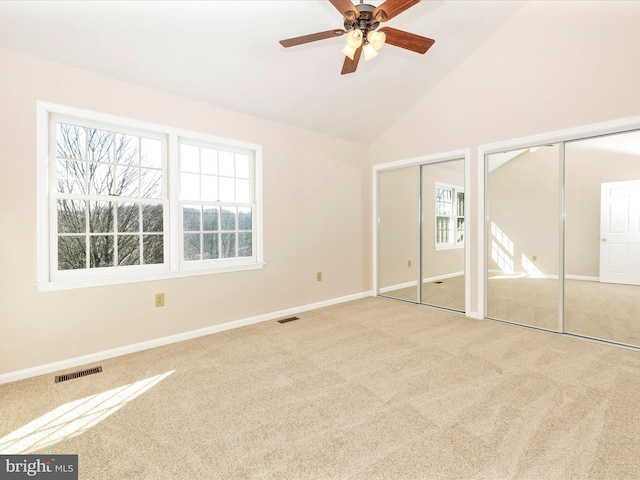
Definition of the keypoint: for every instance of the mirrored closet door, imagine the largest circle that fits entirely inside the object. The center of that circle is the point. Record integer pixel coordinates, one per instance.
(563, 237)
(523, 238)
(443, 234)
(421, 234)
(398, 232)
(602, 238)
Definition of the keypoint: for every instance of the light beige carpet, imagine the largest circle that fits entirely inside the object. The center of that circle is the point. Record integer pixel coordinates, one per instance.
(370, 389)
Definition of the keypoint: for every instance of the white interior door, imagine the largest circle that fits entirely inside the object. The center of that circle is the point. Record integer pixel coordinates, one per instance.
(620, 232)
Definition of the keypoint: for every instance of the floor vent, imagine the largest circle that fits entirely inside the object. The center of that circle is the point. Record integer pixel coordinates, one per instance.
(81, 373)
(438, 282)
(290, 319)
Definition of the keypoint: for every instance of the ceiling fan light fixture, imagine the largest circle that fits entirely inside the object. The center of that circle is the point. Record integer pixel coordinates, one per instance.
(349, 51)
(369, 52)
(376, 39)
(354, 38)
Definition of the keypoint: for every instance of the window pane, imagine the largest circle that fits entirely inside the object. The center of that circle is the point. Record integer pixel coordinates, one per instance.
(127, 182)
(100, 145)
(101, 179)
(71, 141)
(228, 245)
(211, 221)
(151, 153)
(72, 216)
(211, 248)
(101, 217)
(243, 192)
(442, 229)
(244, 245)
(228, 218)
(150, 183)
(443, 195)
(443, 208)
(127, 149)
(190, 186)
(461, 204)
(71, 176)
(209, 161)
(242, 166)
(152, 218)
(227, 189)
(191, 246)
(191, 218)
(226, 164)
(101, 251)
(153, 246)
(72, 253)
(209, 188)
(460, 230)
(128, 217)
(189, 159)
(244, 219)
(128, 250)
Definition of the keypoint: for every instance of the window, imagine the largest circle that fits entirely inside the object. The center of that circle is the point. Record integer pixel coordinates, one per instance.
(449, 204)
(215, 201)
(129, 201)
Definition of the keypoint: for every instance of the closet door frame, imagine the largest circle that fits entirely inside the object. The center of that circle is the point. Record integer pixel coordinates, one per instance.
(420, 161)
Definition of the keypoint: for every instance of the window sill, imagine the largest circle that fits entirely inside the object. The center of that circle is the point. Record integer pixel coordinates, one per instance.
(119, 280)
(449, 247)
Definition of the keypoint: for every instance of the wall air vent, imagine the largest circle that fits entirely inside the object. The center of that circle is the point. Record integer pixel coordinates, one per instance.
(290, 319)
(81, 373)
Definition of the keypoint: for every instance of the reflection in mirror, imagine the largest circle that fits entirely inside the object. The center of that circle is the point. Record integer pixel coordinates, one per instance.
(443, 209)
(523, 236)
(398, 233)
(602, 238)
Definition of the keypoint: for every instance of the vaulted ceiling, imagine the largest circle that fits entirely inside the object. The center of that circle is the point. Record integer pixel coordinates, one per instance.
(226, 53)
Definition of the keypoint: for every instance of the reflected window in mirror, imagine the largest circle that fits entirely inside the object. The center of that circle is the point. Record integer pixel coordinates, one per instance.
(449, 226)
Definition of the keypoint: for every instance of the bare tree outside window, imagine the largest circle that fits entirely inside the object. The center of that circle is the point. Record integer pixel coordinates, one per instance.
(109, 190)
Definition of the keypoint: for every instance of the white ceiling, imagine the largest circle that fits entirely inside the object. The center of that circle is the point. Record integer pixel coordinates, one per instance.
(226, 53)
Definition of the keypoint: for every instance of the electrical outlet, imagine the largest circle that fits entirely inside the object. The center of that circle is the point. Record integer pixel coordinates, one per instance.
(159, 299)
(319, 276)
(534, 258)
(408, 263)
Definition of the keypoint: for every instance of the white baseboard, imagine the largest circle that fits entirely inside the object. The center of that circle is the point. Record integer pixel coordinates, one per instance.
(414, 283)
(551, 277)
(398, 286)
(583, 278)
(442, 277)
(158, 342)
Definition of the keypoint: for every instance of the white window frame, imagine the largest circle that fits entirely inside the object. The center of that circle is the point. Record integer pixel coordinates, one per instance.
(48, 278)
(454, 216)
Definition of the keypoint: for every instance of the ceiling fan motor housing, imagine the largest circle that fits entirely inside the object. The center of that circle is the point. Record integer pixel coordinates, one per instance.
(365, 21)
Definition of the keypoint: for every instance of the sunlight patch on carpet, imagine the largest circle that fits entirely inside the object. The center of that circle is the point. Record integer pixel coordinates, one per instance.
(74, 418)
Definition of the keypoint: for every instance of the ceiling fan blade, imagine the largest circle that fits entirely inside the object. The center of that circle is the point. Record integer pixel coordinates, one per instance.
(349, 65)
(345, 6)
(391, 8)
(409, 41)
(291, 42)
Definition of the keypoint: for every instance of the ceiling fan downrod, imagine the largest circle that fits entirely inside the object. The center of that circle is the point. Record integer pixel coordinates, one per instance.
(365, 22)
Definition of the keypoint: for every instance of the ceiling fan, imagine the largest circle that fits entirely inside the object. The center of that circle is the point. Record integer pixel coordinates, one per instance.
(360, 24)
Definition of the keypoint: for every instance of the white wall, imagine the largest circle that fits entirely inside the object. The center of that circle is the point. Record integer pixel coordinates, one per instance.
(316, 208)
(553, 66)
